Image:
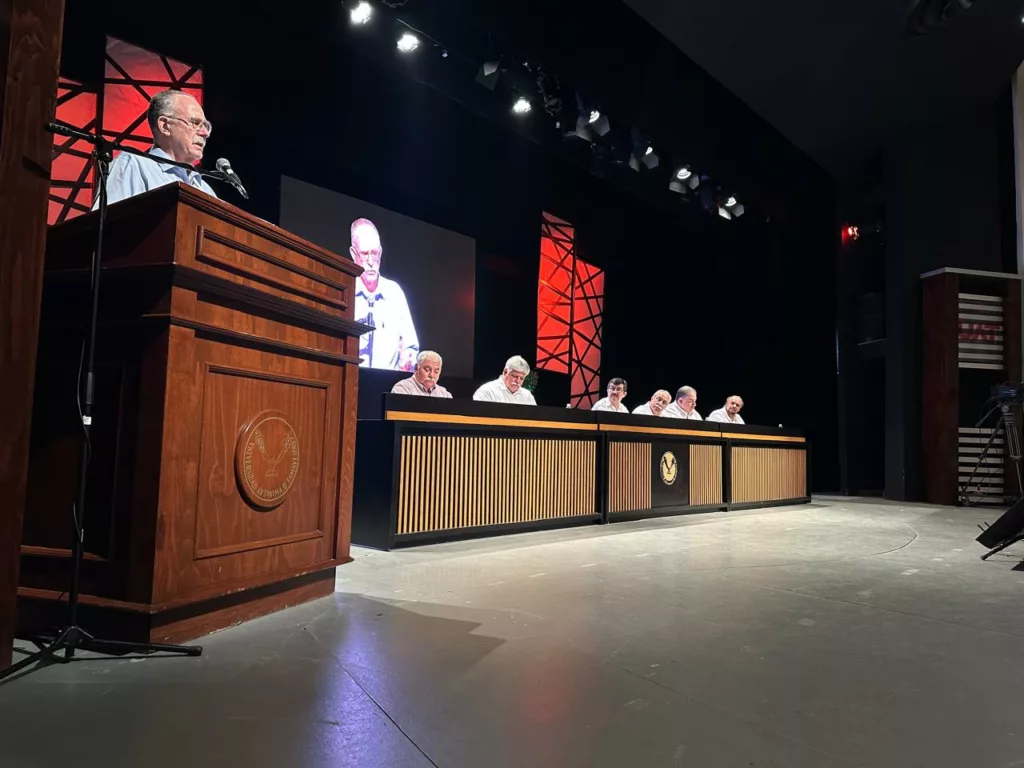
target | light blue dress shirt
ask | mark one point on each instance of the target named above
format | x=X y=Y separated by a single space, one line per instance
x=132 y=175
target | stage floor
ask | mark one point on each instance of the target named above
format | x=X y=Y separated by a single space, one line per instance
x=841 y=633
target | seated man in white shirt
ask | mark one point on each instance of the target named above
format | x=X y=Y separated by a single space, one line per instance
x=180 y=130
x=423 y=381
x=616 y=391
x=656 y=405
x=685 y=406
x=508 y=388
x=730 y=412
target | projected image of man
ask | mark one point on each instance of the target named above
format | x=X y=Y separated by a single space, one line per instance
x=381 y=302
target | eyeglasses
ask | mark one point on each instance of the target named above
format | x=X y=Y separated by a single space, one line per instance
x=193 y=122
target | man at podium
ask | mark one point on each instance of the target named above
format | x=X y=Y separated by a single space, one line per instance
x=180 y=130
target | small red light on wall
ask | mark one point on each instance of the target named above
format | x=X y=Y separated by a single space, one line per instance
x=850 y=233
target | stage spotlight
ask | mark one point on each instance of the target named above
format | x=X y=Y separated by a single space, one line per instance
x=488 y=75
x=734 y=207
x=595 y=115
x=683 y=180
x=361 y=13
x=724 y=213
x=643 y=153
x=522 y=106
x=408 y=43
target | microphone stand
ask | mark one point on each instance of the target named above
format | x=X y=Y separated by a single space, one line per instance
x=72 y=637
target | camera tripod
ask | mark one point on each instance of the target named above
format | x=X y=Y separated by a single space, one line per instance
x=1006 y=425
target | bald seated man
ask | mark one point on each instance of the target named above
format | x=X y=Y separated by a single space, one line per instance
x=656 y=405
x=685 y=406
x=730 y=412
x=423 y=381
x=180 y=130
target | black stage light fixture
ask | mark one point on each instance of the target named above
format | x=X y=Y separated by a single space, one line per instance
x=643 y=153
x=591 y=120
x=733 y=206
x=488 y=75
x=683 y=180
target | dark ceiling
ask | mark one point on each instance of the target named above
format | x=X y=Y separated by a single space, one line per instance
x=837 y=78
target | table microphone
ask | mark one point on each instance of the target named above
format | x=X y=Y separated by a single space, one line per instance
x=224 y=166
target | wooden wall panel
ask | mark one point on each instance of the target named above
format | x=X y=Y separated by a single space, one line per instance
x=30 y=38
x=705 y=475
x=448 y=482
x=768 y=474
x=629 y=476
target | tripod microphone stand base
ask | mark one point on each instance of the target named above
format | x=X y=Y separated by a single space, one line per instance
x=74 y=638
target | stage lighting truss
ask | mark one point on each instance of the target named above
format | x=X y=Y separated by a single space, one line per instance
x=527 y=85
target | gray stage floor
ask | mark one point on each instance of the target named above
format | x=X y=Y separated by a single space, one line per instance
x=842 y=633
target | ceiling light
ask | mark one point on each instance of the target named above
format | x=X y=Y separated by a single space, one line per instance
x=730 y=202
x=522 y=106
x=683 y=180
x=595 y=115
x=648 y=151
x=683 y=174
x=361 y=13
x=408 y=42
x=488 y=75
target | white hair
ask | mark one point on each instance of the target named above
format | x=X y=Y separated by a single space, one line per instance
x=518 y=364
x=426 y=353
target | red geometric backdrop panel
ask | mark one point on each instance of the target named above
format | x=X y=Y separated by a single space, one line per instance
x=570 y=300
x=554 y=293
x=71 y=176
x=133 y=75
x=588 y=303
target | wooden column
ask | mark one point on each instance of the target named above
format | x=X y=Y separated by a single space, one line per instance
x=30 y=37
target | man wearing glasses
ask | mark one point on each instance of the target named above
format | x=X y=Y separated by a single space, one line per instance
x=508 y=388
x=180 y=130
x=616 y=391
x=381 y=304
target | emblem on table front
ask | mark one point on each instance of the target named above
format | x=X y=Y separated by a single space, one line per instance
x=267 y=459
x=668 y=467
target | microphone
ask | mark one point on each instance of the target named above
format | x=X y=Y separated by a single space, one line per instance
x=224 y=166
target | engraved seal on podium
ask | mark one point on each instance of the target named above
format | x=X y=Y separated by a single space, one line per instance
x=668 y=467
x=267 y=459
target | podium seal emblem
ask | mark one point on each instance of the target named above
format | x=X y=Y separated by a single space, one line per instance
x=267 y=460
x=668 y=467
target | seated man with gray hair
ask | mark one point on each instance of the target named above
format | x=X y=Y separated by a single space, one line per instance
x=180 y=130
x=685 y=406
x=730 y=412
x=508 y=388
x=423 y=381
x=656 y=405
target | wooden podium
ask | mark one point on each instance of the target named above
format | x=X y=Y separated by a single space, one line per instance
x=224 y=422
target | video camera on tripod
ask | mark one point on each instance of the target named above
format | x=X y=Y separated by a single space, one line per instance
x=1009 y=528
x=1008 y=393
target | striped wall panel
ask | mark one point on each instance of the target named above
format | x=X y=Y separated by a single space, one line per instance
x=629 y=476
x=705 y=474
x=448 y=482
x=988 y=485
x=980 y=331
x=768 y=474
